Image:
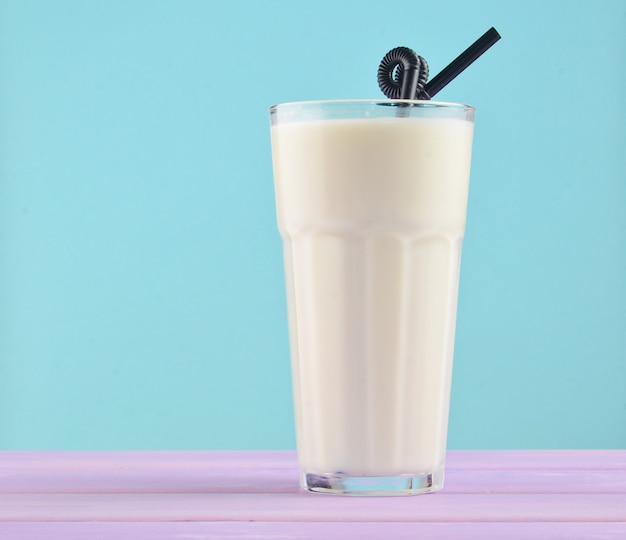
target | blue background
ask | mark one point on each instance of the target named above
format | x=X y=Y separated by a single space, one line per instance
x=141 y=285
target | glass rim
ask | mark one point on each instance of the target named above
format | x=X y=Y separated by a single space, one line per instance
x=375 y=102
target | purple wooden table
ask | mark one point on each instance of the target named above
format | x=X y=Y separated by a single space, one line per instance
x=199 y=495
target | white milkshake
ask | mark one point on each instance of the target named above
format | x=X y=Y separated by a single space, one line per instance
x=372 y=215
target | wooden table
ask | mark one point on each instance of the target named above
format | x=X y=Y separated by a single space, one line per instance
x=507 y=495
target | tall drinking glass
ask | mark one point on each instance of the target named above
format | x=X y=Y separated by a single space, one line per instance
x=371 y=203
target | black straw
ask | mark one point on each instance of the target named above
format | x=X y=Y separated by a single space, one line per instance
x=465 y=59
x=402 y=74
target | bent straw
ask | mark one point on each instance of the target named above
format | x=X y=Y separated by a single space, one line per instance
x=459 y=64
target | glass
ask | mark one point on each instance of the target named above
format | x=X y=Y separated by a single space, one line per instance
x=371 y=201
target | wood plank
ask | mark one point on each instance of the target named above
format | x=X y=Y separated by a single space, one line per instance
x=276 y=472
x=308 y=530
x=536 y=459
x=203 y=480
x=310 y=507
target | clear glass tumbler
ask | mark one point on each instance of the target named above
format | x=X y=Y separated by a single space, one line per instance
x=371 y=203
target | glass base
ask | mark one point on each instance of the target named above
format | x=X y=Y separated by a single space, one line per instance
x=342 y=484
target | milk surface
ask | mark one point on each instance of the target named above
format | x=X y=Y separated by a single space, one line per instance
x=372 y=214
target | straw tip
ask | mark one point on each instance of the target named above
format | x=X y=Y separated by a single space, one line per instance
x=494 y=33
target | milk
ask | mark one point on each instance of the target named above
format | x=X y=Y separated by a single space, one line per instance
x=372 y=214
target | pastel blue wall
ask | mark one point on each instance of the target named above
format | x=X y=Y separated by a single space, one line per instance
x=141 y=292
